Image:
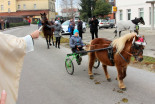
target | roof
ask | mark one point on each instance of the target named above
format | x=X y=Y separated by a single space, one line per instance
x=69 y=10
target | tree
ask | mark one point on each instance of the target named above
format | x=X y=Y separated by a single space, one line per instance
x=68 y=6
x=85 y=11
x=102 y=8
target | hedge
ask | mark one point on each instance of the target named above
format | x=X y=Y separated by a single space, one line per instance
x=18 y=24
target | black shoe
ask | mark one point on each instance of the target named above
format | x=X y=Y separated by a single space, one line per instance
x=79 y=60
x=55 y=46
x=59 y=47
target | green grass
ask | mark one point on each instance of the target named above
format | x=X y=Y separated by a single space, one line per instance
x=63 y=40
x=146 y=60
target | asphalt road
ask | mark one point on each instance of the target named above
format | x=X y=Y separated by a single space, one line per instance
x=44 y=79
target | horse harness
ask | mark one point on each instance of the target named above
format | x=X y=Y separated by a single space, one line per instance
x=111 y=54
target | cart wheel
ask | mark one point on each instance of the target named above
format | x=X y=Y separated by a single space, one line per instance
x=69 y=66
x=96 y=64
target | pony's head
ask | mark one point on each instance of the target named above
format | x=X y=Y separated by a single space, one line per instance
x=141 y=20
x=138 y=45
x=43 y=17
x=135 y=45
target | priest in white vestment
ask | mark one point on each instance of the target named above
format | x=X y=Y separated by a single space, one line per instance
x=12 y=52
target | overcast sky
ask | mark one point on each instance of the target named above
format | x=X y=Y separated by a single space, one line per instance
x=58 y=5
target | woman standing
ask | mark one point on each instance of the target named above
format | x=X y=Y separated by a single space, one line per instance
x=57 y=33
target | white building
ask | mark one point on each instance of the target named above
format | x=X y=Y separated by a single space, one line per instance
x=129 y=9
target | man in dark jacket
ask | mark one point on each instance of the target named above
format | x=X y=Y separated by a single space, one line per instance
x=94 y=27
x=79 y=27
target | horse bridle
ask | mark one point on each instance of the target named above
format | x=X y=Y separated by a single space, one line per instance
x=141 y=21
x=136 y=47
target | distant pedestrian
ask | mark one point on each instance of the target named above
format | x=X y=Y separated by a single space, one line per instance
x=71 y=26
x=39 y=23
x=94 y=27
x=61 y=20
x=29 y=21
x=2 y=24
x=79 y=27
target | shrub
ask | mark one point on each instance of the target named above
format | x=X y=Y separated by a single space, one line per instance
x=18 y=24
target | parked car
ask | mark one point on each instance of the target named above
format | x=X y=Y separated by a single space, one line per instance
x=103 y=23
x=66 y=24
x=112 y=23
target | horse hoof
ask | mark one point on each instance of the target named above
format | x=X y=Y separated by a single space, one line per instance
x=91 y=77
x=109 y=79
x=123 y=89
x=50 y=44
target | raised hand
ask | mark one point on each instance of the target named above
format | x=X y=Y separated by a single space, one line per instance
x=3 y=97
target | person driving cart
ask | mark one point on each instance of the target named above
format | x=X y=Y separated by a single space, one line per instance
x=76 y=44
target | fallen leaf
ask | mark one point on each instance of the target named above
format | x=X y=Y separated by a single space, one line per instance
x=125 y=100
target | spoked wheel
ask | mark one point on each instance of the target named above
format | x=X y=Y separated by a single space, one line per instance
x=69 y=66
x=96 y=64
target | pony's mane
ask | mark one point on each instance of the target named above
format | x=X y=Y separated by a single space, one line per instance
x=119 y=43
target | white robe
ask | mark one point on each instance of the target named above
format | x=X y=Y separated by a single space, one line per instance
x=12 y=52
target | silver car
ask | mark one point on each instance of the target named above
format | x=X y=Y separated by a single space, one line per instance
x=66 y=24
x=103 y=24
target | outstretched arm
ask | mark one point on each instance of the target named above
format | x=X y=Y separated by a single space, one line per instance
x=50 y=26
x=29 y=40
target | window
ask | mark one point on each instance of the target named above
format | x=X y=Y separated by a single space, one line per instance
x=24 y=6
x=150 y=15
x=35 y=6
x=2 y=7
x=9 y=10
x=129 y=14
x=121 y=14
x=18 y=7
x=141 y=12
x=9 y=2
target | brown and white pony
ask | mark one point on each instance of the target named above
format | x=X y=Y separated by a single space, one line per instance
x=123 y=48
x=48 y=32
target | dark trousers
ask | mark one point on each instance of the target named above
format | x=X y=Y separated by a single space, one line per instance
x=80 y=34
x=94 y=32
x=71 y=33
x=57 y=42
x=74 y=50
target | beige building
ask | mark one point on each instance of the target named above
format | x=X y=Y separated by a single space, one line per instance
x=27 y=8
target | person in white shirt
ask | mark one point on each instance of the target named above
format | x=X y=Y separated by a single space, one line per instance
x=12 y=52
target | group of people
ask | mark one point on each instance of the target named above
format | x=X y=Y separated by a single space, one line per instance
x=18 y=45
